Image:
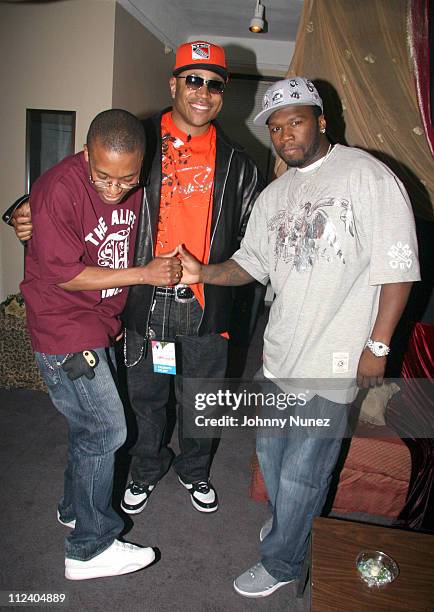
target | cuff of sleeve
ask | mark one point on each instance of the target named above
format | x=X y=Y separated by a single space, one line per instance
x=251 y=269
x=387 y=280
x=68 y=274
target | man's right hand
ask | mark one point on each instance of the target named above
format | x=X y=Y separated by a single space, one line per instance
x=191 y=267
x=164 y=271
x=22 y=222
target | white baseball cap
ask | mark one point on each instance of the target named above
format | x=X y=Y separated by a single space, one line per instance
x=289 y=92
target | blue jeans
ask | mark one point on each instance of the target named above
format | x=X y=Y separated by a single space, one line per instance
x=96 y=429
x=196 y=357
x=297 y=470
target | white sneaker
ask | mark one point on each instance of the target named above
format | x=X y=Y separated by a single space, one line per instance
x=119 y=558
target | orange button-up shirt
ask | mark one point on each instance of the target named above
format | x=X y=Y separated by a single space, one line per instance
x=188 y=165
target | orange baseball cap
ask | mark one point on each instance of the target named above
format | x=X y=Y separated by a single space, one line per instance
x=200 y=54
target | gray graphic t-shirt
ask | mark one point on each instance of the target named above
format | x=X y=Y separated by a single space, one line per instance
x=327 y=237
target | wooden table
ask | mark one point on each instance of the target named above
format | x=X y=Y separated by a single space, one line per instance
x=335 y=582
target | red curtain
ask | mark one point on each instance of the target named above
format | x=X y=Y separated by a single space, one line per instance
x=412 y=414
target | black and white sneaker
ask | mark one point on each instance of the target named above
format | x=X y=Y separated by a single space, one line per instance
x=203 y=495
x=136 y=497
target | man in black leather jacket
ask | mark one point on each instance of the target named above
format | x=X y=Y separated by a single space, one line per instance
x=196 y=322
x=177 y=315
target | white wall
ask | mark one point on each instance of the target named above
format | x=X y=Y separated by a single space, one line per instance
x=86 y=56
x=141 y=67
x=54 y=56
x=254 y=56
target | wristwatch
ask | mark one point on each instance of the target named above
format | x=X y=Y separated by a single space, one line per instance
x=379 y=349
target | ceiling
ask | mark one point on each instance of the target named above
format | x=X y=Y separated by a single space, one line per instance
x=227 y=23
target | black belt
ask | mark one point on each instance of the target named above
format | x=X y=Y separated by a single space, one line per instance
x=181 y=293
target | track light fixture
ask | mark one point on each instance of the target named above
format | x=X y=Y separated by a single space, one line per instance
x=257 y=23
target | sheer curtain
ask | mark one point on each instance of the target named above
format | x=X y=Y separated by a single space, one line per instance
x=358 y=54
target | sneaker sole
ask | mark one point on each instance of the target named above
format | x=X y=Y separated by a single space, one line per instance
x=263 y=594
x=135 y=510
x=88 y=574
x=201 y=509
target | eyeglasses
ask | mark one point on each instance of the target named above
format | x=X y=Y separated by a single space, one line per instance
x=195 y=82
x=119 y=185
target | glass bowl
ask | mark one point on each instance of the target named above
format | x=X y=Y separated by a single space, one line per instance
x=376 y=568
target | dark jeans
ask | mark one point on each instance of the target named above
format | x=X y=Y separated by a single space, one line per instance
x=197 y=357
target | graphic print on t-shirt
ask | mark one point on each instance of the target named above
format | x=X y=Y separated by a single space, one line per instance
x=309 y=233
x=113 y=253
x=186 y=197
x=179 y=173
x=113 y=247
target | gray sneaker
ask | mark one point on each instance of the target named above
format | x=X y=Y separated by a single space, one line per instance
x=257 y=582
x=265 y=529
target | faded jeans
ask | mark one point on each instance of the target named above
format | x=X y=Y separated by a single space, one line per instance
x=96 y=429
x=297 y=470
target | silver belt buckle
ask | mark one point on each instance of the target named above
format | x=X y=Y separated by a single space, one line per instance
x=183 y=289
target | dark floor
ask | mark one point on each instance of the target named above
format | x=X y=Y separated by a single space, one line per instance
x=200 y=554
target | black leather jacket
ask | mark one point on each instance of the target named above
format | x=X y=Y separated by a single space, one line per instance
x=237 y=184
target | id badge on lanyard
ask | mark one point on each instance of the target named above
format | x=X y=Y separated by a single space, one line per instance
x=163 y=357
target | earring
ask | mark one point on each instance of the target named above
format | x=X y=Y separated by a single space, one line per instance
x=322 y=130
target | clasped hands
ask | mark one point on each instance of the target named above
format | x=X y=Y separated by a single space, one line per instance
x=177 y=266
x=174 y=267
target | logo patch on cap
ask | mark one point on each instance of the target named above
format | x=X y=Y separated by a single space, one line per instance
x=277 y=96
x=200 y=51
x=288 y=92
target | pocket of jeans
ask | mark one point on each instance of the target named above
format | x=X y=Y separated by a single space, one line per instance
x=193 y=318
x=49 y=367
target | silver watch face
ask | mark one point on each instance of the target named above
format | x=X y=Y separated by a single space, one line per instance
x=379 y=349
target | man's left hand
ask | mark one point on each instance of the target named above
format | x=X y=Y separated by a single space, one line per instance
x=370 y=372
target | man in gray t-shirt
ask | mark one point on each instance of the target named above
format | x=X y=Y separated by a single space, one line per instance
x=335 y=237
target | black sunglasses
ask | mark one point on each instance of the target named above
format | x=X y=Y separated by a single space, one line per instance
x=195 y=82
